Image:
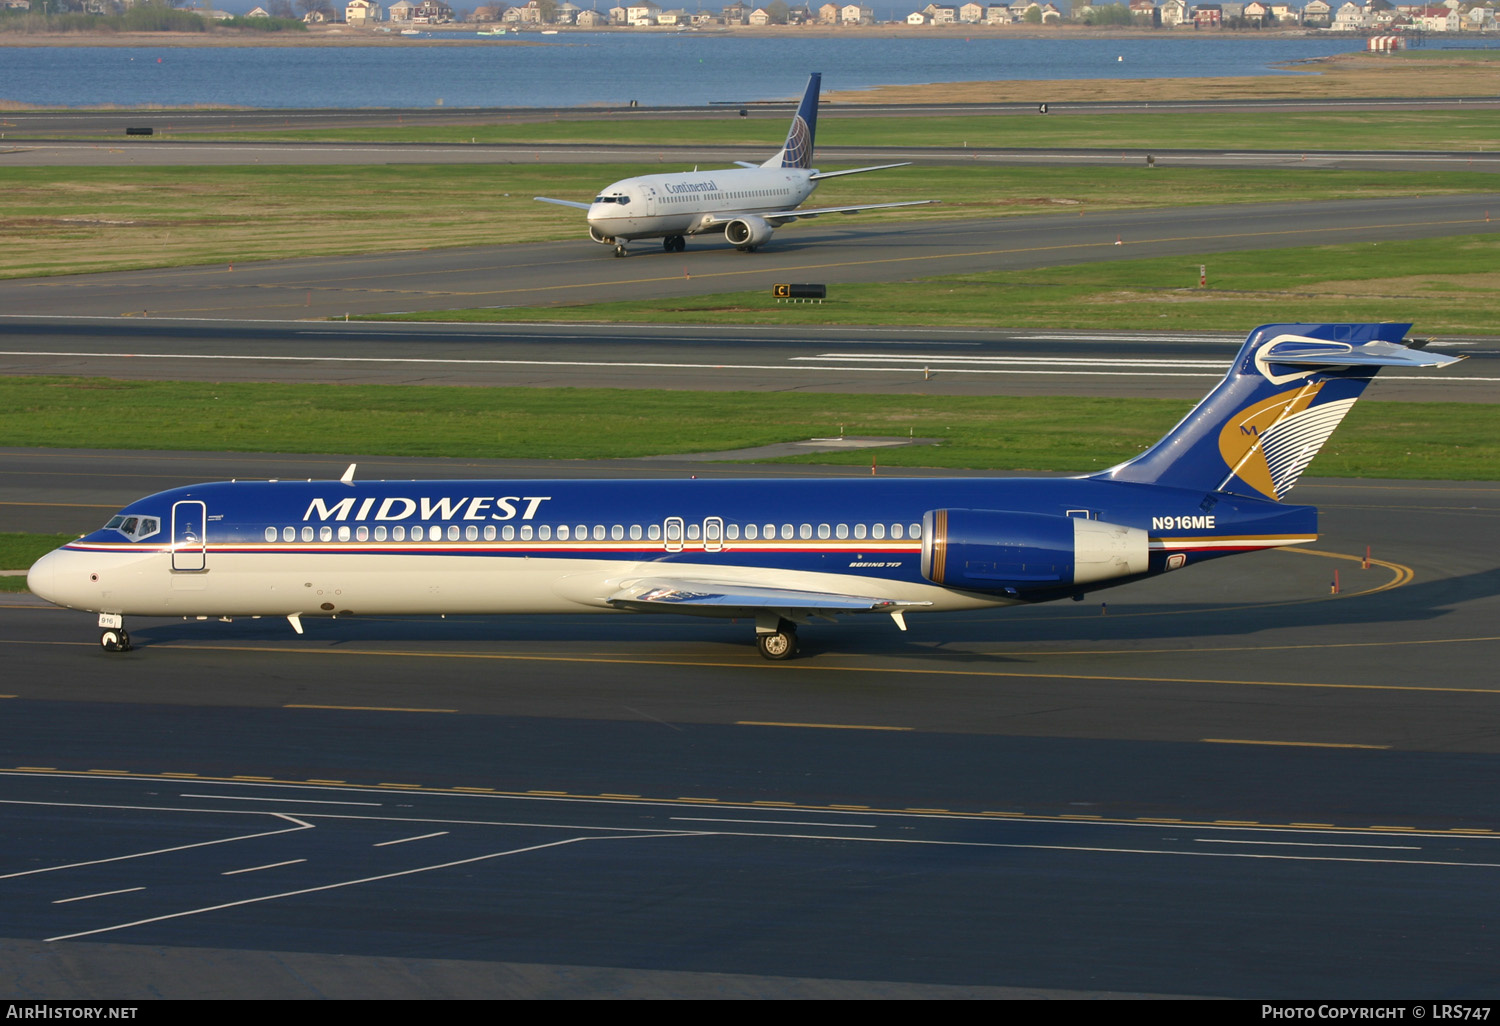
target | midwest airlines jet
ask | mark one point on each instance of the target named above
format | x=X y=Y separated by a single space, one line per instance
x=778 y=552
x=746 y=205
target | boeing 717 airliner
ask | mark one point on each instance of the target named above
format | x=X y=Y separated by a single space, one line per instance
x=779 y=552
x=745 y=205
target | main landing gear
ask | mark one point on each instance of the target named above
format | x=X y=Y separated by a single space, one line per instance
x=674 y=243
x=780 y=643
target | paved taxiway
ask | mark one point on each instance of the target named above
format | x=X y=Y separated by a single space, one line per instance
x=1228 y=782
x=178 y=153
x=821 y=251
x=1196 y=790
x=42 y=125
x=98 y=138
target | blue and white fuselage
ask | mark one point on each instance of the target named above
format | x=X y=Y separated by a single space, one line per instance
x=746 y=204
x=780 y=552
x=795 y=547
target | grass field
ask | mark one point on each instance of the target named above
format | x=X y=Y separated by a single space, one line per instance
x=1449 y=285
x=1476 y=131
x=1395 y=440
x=19 y=551
x=82 y=220
x=1413 y=72
x=77 y=220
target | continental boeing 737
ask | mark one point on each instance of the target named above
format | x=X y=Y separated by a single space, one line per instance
x=779 y=553
x=744 y=205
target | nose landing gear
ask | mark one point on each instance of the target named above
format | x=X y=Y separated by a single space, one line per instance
x=115 y=639
x=112 y=634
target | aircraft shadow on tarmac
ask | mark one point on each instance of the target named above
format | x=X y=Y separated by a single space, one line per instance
x=952 y=636
x=794 y=242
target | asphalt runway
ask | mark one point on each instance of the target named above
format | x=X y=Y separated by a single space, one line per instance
x=1230 y=782
x=86 y=138
x=985 y=150
x=43 y=124
x=926 y=361
x=829 y=252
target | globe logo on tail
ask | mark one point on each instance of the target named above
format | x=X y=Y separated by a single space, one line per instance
x=798 y=149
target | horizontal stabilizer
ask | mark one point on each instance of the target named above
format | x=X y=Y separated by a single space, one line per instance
x=1311 y=352
x=820 y=175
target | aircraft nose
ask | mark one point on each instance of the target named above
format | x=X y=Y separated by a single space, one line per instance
x=58 y=578
x=40 y=579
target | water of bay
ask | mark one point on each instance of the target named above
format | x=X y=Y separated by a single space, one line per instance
x=608 y=68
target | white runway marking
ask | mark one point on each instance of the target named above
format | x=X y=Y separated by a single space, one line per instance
x=843 y=362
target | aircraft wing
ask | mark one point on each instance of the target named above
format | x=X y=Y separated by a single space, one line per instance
x=777 y=218
x=718 y=598
x=562 y=203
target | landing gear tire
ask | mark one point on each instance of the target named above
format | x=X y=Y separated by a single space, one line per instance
x=619 y=249
x=747 y=249
x=114 y=639
x=779 y=644
x=674 y=243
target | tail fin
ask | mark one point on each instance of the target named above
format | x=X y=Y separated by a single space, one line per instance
x=1287 y=390
x=797 y=151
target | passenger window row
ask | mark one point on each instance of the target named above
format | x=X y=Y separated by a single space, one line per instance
x=675 y=532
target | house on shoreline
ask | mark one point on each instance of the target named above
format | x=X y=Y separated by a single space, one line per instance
x=1123 y=16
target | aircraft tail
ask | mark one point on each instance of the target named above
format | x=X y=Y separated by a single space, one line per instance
x=1287 y=390
x=797 y=151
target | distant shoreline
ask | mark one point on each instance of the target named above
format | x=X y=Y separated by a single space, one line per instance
x=1421 y=72
x=466 y=35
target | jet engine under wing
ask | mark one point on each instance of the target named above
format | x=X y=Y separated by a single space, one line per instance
x=717 y=598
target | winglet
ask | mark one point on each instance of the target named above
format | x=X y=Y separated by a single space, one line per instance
x=348 y=477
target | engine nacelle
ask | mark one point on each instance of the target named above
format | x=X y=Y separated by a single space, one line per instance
x=600 y=237
x=1000 y=550
x=748 y=232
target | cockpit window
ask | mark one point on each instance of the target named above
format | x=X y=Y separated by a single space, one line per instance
x=620 y=199
x=134 y=528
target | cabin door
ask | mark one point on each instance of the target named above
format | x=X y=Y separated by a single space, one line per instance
x=189 y=536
